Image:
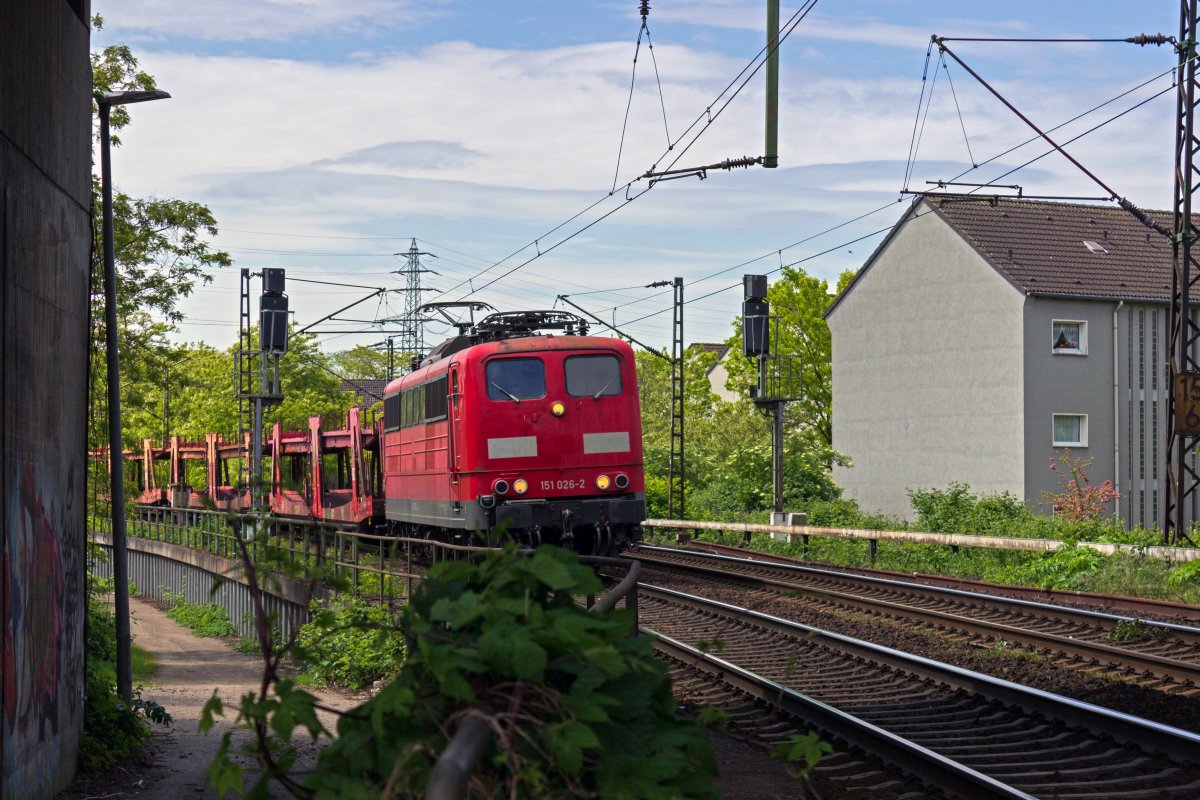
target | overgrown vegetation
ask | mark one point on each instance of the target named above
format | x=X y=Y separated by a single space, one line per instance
x=112 y=732
x=349 y=642
x=957 y=509
x=203 y=619
x=577 y=706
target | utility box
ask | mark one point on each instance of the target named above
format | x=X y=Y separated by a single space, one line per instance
x=787 y=518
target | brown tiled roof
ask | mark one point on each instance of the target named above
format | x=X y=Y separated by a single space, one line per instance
x=367 y=391
x=1039 y=246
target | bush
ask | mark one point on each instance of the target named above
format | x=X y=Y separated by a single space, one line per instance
x=350 y=643
x=580 y=708
x=956 y=509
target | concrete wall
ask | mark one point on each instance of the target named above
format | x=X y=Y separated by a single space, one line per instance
x=927 y=372
x=45 y=164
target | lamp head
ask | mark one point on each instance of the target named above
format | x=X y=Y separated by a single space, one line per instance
x=125 y=98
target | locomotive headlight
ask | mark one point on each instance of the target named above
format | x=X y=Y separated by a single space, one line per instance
x=602 y=482
x=500 y=486
x=621 y=481
x=557 y=408
x=520 y=486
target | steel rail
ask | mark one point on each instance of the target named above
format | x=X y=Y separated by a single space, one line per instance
x=1159 y=665
x=1145 y=734
x=925 y=764
x=946 y=591
x=1055 y=597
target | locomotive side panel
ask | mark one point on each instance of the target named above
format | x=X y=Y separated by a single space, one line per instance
x=417 y=451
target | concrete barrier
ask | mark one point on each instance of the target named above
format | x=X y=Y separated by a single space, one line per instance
x=1172 y=554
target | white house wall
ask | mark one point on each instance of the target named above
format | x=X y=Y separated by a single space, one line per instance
x=927 y=372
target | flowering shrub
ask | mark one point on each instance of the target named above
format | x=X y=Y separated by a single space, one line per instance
x=1078 y=500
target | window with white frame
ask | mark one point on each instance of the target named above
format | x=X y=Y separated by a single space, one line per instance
x=1070 y=430
x=1068 y=336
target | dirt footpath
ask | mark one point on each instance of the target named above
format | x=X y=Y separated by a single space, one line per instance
x=190 y=668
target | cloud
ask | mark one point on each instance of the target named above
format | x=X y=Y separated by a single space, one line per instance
x=486 y=149
x=402 y=157
x=273 y=20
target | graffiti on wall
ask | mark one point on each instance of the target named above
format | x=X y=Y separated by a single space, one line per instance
x=42 y=579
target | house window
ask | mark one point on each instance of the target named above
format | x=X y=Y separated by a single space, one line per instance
x=1069 y=336
x=1070 y=430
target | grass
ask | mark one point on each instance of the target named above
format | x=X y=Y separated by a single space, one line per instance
x=204 y=619
x=143 y=663
x=1002 y=649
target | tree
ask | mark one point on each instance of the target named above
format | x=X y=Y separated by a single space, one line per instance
x=654 y=389
x=799 y=301
x=163 y=251
x=363 y=362
x=201 y=397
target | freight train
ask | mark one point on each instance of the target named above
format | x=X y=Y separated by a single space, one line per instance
x=522 y=424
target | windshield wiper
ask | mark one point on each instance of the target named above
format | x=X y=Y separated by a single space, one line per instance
x=596 y=396
x=511 y=396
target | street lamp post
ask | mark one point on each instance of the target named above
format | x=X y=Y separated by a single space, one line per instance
x=105 y=101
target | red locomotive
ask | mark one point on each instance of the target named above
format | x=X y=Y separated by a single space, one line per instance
x=504 y=427
x=522 y=423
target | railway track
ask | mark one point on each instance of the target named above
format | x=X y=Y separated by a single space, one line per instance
x=1140 y=607
x=955 y=732
x=1160 y=655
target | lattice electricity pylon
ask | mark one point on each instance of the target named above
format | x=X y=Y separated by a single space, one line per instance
x=1183 y=414
x=412 y=338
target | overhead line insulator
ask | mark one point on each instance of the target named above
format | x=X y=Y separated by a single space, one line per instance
x=645 y=9
x=1143 y=39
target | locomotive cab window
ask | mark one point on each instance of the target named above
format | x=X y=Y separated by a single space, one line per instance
x=592 y=376
x=391 y=412
x=515 y=379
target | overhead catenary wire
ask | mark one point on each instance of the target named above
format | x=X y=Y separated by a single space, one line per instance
x=1091 y=130
x=777 y=251
x=912 y=142
x=1067 y=122
x=1122 y=201
x=707 y=116
x=962 y=123
x=628 y=105
x=923 y=118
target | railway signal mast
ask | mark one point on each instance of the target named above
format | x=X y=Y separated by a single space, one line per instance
x=257 y=369
x=779 y=377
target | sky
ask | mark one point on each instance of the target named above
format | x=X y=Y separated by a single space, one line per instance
x=328 y=135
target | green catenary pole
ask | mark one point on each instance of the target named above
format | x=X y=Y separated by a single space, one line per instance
x=771 y=156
